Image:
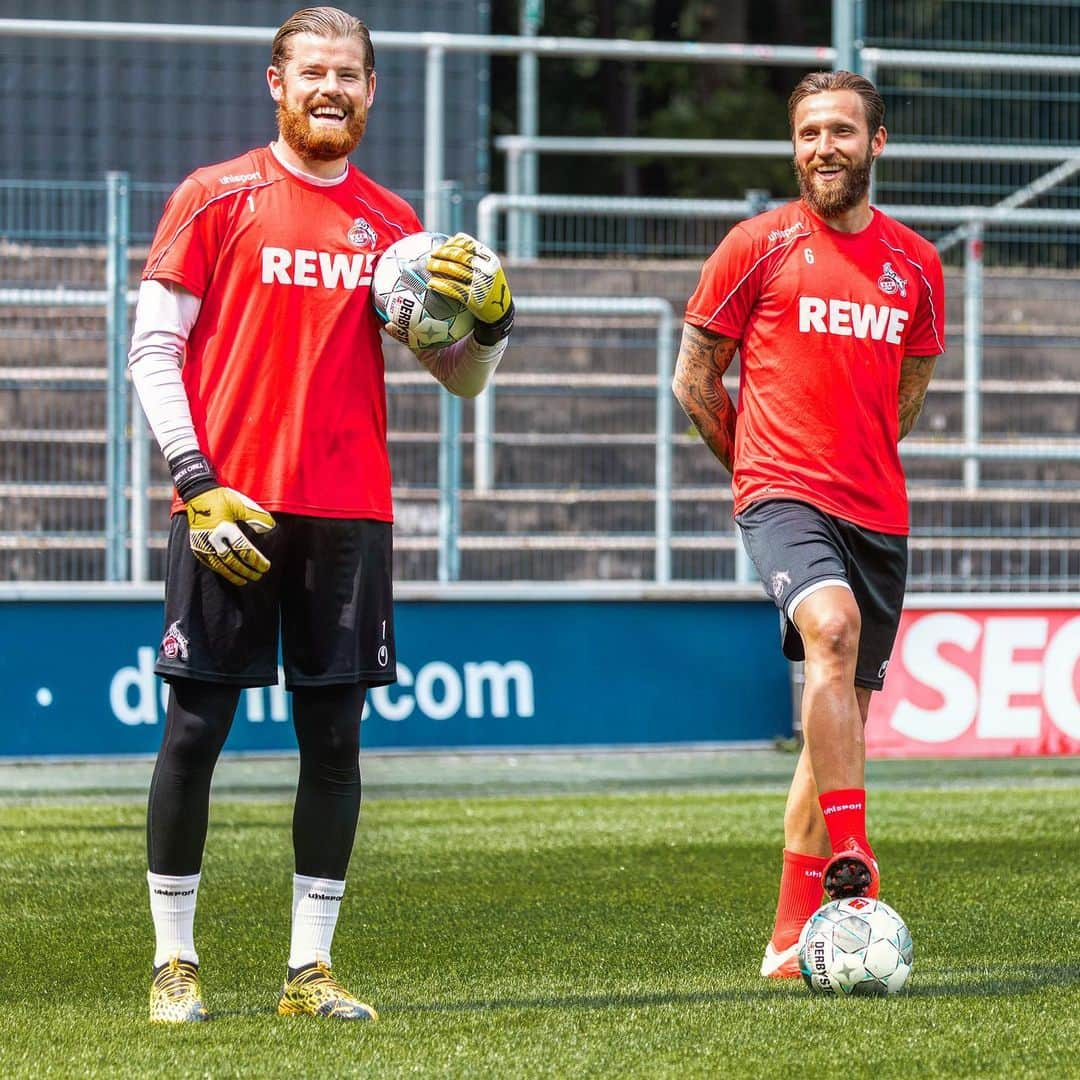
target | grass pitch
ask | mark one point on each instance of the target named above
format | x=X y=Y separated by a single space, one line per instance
x=600 y=917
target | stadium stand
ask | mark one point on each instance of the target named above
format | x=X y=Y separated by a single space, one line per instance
x=573 y=495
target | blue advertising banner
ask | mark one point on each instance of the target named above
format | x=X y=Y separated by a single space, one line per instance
x=78 y=677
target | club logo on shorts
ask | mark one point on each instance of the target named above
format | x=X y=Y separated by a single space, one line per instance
x=174 y=645
x=361 y=234
x=779 y=581
x=891 y=282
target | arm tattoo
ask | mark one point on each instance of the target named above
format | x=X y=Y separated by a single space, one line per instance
x=915 y=372
x=699 y=388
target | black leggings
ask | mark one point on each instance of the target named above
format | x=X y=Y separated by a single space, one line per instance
x=327 y=724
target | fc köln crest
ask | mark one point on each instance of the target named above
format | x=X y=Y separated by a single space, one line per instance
x=361 y=234
x=174 y=645
x=891 y=282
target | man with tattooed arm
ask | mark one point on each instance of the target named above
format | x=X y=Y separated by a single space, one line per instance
x=837 y=313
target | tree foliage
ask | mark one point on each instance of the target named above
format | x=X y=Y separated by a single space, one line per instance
x=592 y=96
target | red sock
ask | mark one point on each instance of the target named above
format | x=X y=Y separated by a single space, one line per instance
x=845 y=816
x=800 y=896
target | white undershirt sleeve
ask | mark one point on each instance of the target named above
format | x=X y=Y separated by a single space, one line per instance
x=465 y=367
x=164 y=317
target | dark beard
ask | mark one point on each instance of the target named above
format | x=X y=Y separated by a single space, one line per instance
x=839 y=198
x=296 y=130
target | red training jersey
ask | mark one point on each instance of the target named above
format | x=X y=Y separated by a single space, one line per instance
x=824 y=319
x=284 y=365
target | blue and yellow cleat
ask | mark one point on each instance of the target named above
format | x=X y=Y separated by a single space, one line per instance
x=313 y=991
x=175 y=997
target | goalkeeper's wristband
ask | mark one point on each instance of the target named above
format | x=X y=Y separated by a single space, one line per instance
x=486 y=333
x=192 y=474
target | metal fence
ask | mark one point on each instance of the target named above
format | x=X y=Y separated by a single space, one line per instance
x=567 y=472
x=580 y=466
x=206 y=77
x=1011 y=78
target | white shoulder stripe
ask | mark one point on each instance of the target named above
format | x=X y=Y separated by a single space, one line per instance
x=929 y=291
x=738 y=285
x=375 y=210
x=209 y=202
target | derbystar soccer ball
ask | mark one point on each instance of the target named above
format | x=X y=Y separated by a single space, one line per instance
x=399 y=291
x=856 y=946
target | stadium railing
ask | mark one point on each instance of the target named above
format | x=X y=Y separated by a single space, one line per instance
x=570 y=483
x=1035 y=82
x=1027 y=529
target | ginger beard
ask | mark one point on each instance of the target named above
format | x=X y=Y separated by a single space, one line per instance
x=313 y=142
x=841 y=195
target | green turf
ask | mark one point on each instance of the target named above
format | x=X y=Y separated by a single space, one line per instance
x=565 y=935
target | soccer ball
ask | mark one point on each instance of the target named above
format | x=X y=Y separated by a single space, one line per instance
x=399 y=291
x=856 y=946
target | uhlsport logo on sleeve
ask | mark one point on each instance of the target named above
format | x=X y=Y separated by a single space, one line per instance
x=240 y=178
x=788 y=233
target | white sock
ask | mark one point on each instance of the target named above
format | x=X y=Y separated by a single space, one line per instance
x=172 y=906
x=315 y=907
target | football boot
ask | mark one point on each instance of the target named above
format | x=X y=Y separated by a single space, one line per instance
x=313 y=991
x=175 y=997
x=781 y=963
x=852 y=871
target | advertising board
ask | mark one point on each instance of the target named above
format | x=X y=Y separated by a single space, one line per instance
x=472 y=673
x=981 y=677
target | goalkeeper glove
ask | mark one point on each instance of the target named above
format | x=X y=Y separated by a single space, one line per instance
x=213 y=514
x=465 y=270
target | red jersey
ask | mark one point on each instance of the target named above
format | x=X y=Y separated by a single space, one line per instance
x=824 y=319
x=284 y=365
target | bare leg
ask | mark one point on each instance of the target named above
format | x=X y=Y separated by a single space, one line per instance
x=834 y=713
x=828 y=621
x=806 y=837
x=804 y=824
x=862 y=695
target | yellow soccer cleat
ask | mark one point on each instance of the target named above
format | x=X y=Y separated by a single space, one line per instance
x=313 y=991
x=175 y=997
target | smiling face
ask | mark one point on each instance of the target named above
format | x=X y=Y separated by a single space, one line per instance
x=834 y=151
x=323 y=95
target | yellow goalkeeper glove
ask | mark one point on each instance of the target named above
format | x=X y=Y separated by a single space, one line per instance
x=465 y=270
x=214 y=515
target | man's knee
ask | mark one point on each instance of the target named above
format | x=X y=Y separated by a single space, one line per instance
x=327 y=722
x=831 y=630
x=199 y=718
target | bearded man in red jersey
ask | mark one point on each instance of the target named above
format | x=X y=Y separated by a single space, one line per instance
x=837 y=313
x=257 y=358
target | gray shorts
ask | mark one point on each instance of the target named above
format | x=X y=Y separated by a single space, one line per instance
x=797 y=549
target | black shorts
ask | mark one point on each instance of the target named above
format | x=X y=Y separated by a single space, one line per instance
x=797 y=548
x=329 y=587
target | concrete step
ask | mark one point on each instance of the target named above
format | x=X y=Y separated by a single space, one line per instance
x=931 y=569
